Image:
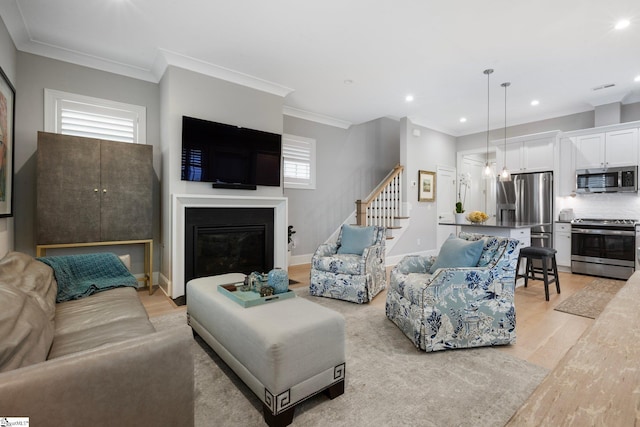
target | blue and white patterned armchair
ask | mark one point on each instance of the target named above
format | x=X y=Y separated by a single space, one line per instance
x=457 y=307
x=350 y=276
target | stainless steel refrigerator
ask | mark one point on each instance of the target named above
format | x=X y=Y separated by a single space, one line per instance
x=528 y=197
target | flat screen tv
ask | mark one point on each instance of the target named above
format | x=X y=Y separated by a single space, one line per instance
x=229 y=156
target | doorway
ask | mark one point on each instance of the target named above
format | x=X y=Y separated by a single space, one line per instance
x=446 y=191
x=481 y=196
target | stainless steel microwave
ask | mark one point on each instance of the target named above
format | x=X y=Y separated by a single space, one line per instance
x=607 y=180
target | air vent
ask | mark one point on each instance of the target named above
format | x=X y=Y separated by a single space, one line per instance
x=608 y=85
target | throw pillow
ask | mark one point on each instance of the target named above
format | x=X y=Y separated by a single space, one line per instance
x=355 y=239
x=457 y=252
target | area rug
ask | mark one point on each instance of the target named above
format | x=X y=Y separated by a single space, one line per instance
x=388 y=381
x=591 y=300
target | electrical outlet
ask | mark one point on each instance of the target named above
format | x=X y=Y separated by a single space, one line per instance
x=418 y=242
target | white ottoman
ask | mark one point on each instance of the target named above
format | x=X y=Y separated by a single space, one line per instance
x=285 y=351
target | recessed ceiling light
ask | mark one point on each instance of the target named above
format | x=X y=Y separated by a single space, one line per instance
x=637 y=79
x=463 y=119
x=535 y=102
x=622 y=24
x=408 y=98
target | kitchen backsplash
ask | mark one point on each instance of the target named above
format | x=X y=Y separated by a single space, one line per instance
x=604 y=205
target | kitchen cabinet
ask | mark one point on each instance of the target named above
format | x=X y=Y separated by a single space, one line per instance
x=607 y=149
x=566 y=167
x=92 y=190
x=534 y=154
x=562 y=243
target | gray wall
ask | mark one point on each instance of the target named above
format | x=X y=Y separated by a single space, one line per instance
x=424 y=152
x=349 y=163
x=189 y=93
x=8 y=62
x=37 y=73
x=585 y=120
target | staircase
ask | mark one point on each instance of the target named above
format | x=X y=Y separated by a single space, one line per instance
x=383 y=206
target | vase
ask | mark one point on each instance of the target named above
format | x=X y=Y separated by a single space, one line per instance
x=460 y=218
x=279 y=280
x=257 y=281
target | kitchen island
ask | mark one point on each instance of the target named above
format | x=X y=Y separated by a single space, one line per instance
x=514 y=229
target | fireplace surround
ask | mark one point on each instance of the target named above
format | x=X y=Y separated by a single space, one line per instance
x=180 y=203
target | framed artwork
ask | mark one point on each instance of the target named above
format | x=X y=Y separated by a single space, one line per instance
x=426 y=186
x=7 y=111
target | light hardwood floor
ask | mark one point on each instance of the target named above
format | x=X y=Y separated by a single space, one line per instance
x=543 y=334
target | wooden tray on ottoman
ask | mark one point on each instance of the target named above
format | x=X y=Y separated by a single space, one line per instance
x=251 y=298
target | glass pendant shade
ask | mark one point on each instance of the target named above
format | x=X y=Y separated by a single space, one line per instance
x=487 y=172
x=505 y=175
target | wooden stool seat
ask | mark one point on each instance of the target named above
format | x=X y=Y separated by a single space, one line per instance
x=548 y=270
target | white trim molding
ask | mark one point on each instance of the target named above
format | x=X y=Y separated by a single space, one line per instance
x=314 y=117
x=182 y=201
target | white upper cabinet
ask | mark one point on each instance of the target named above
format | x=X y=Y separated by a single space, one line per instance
x=566 y=170
x=607 y=149
x=538 y=155
x=533 y=153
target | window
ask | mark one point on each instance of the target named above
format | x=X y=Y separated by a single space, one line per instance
x=72 y=114
x=299 y=162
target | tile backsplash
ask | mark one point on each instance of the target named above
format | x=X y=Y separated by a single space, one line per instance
x=601 y=206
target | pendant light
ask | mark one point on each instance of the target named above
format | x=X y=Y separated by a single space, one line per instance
x=505 y=175
x=487 y=174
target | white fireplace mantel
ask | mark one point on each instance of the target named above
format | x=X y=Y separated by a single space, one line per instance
x=182 y=201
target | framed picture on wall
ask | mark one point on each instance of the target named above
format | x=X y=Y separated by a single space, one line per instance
x=426 y=186
x=7 y=110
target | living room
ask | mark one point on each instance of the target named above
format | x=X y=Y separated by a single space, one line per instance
x=351 y=159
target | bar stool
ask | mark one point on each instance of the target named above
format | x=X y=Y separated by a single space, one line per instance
x=545 y=255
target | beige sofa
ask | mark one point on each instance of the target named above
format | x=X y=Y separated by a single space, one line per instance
x=89 y=362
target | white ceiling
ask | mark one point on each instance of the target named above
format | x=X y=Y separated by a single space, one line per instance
x=555 y=51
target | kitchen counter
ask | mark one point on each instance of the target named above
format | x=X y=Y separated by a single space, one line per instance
x=514 y=229
x=492 y=223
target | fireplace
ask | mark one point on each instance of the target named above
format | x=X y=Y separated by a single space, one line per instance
x=228 y=240
x=174 y=249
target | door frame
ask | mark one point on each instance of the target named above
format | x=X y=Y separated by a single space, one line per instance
x=443 y=231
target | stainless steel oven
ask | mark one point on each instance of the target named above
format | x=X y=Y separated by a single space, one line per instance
x=602 y=247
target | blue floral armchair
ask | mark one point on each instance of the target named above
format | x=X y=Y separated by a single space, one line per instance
x=457 y=307
x=355 y=277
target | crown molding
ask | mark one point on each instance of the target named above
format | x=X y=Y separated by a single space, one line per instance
x=166 y=57
x=315 y=117
x=24 y=42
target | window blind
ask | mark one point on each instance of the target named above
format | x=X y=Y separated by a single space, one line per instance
x=72 y=114
x=298 y=155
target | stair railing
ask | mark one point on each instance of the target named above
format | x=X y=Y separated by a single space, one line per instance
x=383 y=205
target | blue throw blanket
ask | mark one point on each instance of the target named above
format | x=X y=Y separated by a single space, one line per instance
x=82 y=275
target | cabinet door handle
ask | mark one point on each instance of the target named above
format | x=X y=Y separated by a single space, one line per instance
x=95 y=190
x=104 y=190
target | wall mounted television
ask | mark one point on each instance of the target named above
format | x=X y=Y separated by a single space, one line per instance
x=229 y=156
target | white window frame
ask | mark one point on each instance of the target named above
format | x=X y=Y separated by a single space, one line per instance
x=307 y=150
x=54 y=101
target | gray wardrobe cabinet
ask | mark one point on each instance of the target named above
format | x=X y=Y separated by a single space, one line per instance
x=92 y=190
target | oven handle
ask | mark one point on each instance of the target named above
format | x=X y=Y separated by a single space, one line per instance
x=601 y=231
x=540 y=236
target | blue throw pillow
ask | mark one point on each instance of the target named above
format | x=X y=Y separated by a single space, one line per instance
x=355 y=239
x=458 y=253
